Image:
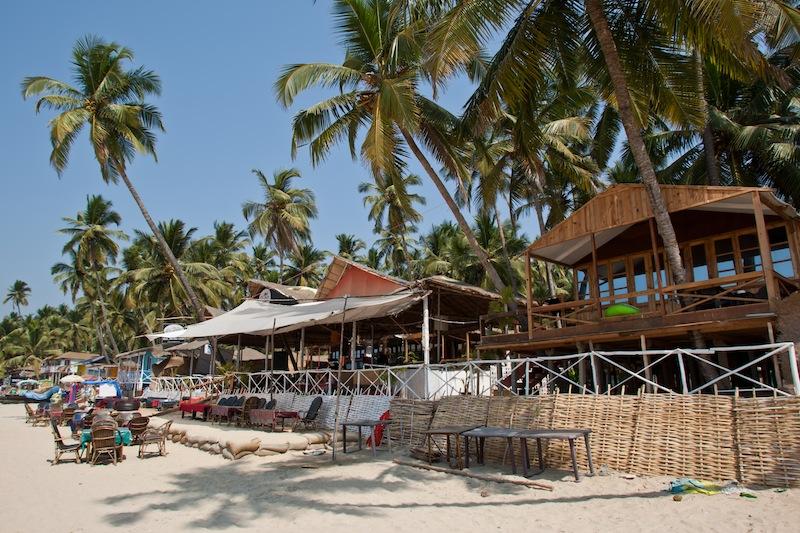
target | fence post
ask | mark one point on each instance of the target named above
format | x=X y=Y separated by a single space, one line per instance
x=683 y=373
x=527 y=378
x=594 y=373
x=793 y=368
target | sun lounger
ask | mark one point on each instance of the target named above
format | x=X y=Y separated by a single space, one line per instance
x=309 y=420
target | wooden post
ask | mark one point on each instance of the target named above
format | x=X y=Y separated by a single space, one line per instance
x=303 y=361
x=338 y=383
x=353 y=340
x=766 y=252
x=657 y=267
x=529 y=295
x=776 y=364
x=468 y=355
x=238 y=352
x=596 y=280
x=648 y=373
x=595 y=375
x=272 y=346
x=266 y=353
x=794 y=242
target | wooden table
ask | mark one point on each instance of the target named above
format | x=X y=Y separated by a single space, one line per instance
x=447 y=431
x=481 y=434
x=546 y=434
x=270 y=417
x=218 y=411
x=369 y=424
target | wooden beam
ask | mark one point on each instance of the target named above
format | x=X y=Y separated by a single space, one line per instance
x=766 y=252
x=648 y=372
x=794 y=245
x=529 y=295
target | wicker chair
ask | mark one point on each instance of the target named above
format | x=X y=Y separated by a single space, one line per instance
x=243 y=417
x=36 y=417
x=66 y=415
x=104 y=442
x=137 y=426
x=155 y=436
x=62 y=447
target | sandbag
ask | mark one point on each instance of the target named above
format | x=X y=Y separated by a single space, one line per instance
x=242 y=454
x=238 y=447
x=277 y=447
x=263 y=452
x=226 y=453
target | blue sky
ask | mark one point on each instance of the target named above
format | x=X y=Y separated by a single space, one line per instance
x=218 y=62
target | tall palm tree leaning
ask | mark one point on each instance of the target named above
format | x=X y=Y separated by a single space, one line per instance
x=18 y=295
x=283 y=216
x=110 y=100
x=644 y=45
x=379 y=83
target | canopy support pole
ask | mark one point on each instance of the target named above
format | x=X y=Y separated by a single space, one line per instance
x=338 y=383
x=238 y=352
x=426 y=341
x=272 y=346
x=303 y=361
x=353 y=347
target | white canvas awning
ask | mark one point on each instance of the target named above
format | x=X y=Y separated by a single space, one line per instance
x=255 y=317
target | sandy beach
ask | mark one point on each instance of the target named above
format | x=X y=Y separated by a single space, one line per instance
x=191 y=490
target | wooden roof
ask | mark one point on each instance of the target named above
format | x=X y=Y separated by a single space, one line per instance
x=609 y=213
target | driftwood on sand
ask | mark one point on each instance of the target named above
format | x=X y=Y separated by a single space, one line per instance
x=482 y=477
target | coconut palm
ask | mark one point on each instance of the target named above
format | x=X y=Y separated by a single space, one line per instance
x=637 y=52
x=306 y=266
x=109 y=100
x=283 y=216
x=95 y=246
x=18 y=295
x=350 y=246
x=150 y=278
x=380 y=82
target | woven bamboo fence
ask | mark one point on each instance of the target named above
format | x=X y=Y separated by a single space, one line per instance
x=768 y=439
x=754 y=440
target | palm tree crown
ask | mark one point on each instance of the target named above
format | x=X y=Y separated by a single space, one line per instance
x=283 y=216
x=18 y=295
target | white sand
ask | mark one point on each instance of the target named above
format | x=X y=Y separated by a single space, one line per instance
x=190 y=490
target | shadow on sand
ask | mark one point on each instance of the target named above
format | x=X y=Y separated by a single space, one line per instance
x=241 y=495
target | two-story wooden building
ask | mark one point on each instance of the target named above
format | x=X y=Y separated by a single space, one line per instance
x=741 y=253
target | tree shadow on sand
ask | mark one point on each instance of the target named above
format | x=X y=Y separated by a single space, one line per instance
x=243 y=495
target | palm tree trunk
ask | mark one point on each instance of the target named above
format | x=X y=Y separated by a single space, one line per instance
x=712 y=163
x=98 y=332
x=280 y=267
x=506 y=257
x=103 y=314
x=165 y=249
x=483 y=257
x=594 y=9
x=548 y=268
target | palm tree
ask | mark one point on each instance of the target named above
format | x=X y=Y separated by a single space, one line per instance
x=350 y=246
x=110 y=100
x=283 y=216
x=95 y=247
x=379 y=82
x=306 y=266
x=149 y=278
x=18 y=295
x=638 y=53
x=392 y=205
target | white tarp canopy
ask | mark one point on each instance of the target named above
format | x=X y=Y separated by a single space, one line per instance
x=255 y=317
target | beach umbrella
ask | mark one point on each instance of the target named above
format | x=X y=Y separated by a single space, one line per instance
x=72 y=378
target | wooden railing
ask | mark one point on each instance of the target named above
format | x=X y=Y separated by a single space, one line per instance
x=717 y=293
